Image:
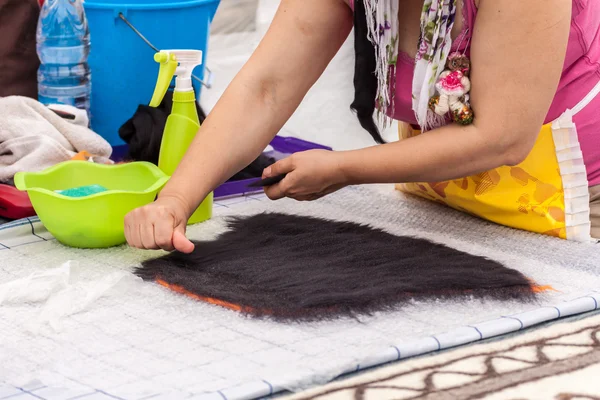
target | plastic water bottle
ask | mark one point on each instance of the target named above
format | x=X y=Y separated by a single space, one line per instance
x=63 y=45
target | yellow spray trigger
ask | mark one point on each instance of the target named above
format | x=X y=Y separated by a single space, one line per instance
x=168 y=65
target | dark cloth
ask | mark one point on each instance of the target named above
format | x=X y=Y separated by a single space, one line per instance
x=18 y=58
x=255 y=169
x=144 y=131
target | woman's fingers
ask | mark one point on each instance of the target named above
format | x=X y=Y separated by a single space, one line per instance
x=181 y=242
x=279 y=190
x=163 y=232
x=147 y=236
x=274 y=192
x=160 y=225
x=282 y=188
x=308 y=197
x=132 y=231
x=146 y=228
x=281 y=167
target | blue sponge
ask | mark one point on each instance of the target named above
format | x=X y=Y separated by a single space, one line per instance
x=82 y=191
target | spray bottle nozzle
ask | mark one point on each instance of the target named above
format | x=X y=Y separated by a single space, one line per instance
x=162 y=57
x=174 y=62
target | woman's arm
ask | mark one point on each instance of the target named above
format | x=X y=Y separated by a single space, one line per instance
x=301 y=41
x=517 y=54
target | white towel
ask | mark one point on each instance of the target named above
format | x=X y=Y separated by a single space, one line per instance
x=81 y=116
x=32 y=138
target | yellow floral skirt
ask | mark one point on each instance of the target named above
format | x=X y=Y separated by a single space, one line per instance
x=547 y=193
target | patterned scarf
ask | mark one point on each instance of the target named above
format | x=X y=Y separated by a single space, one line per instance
x=437 y=20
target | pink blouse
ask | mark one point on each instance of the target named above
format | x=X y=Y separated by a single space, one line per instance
x=581 y=73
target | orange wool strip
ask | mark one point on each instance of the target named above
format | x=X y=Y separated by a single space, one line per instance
x=235 y=307
x=541 y=289
x=210 y=300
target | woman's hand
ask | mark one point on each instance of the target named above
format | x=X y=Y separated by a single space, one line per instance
x=159 y=225
x=310 y=175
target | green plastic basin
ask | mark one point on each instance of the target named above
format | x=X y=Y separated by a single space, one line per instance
x=95 y=221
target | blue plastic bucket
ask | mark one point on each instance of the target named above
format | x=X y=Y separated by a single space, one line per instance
x=123 y=69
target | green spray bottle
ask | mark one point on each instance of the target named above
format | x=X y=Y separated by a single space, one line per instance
x=183 y=122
